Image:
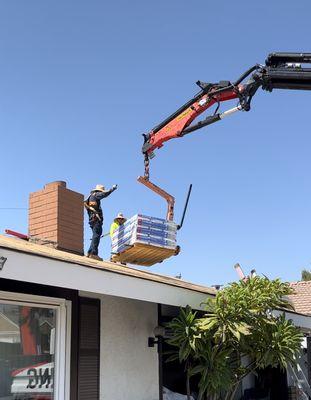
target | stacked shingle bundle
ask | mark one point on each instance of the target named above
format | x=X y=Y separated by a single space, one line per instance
x=147 y=230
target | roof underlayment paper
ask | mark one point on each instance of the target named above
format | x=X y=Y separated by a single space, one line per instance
x=143 y=229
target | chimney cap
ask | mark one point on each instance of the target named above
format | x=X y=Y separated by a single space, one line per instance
x=55 y=183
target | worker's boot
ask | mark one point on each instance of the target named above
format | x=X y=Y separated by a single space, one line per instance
x=95 y=257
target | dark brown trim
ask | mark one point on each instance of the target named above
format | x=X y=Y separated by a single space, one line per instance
x=309 y=358
x=160 y=354
x=74 y=348
x=91 y=352
x=8 y=285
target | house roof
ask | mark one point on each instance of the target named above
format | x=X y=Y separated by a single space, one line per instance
x=301 y=300
x=50 y=253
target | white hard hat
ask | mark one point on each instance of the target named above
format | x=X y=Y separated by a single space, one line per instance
x=120 y=216
x=99 y=188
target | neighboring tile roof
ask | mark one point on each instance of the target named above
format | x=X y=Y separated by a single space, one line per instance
x=44 y=251
x=301 y=300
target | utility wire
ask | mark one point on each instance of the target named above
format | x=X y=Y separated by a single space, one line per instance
x=13 y=208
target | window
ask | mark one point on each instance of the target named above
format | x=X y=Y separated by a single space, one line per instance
x=32 y=348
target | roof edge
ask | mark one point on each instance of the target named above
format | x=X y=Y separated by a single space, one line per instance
x=47 y=252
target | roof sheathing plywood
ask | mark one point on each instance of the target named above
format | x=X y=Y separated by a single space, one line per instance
x=47 y=252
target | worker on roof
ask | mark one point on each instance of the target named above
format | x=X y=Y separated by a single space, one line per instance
x=96 y=219
x=118 y=221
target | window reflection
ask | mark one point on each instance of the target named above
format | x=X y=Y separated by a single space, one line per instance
x=27 y=341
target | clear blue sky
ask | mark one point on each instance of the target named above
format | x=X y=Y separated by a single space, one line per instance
x=80 y=81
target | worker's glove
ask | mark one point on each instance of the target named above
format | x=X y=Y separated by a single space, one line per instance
x=114 y=187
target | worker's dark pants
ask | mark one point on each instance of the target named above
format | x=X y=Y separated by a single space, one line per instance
x=97 y=229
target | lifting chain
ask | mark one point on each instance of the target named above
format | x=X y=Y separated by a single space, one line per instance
x=146 y=162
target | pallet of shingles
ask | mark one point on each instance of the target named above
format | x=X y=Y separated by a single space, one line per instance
x=144 y=240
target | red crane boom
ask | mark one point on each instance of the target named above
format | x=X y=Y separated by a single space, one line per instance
x=281 y=71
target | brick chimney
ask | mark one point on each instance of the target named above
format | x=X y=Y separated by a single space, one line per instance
x=56 y=217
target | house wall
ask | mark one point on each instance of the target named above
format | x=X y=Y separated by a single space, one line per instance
x=128 y=367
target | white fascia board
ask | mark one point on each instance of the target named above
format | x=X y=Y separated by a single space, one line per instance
x=299 y=320
x=29 y=268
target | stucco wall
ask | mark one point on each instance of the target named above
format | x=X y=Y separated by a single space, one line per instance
x=129 y=368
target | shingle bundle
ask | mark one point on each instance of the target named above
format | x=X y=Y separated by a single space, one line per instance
x=147 y=230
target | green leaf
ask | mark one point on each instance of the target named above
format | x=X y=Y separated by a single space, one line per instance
x=238 y=322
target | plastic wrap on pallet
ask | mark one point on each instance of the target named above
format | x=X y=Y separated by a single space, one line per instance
x=152 y=221
x=155 y=223
x=147 y=225
x=143 y=232
x=135 y=237
x=143 y=229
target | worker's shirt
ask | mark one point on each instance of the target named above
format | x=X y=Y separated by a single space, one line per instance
x=93 y=201
x=113 y=227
